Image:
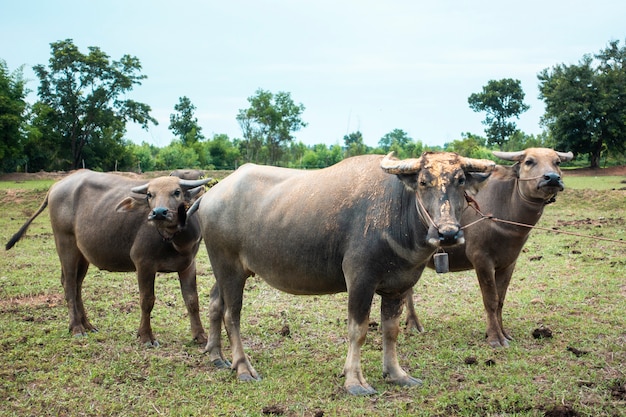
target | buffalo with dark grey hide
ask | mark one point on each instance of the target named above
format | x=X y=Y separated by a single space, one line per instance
x=365 y=225
x=515 y=193
x=124 y=225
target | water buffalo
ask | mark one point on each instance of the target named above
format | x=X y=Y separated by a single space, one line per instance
x=187 y=174
x=123 y=225
x=365 y=225
x=516 y=193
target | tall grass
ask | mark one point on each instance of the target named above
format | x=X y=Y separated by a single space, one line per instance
x=573 y=285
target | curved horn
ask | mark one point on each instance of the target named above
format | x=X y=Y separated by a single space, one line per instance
x=187 y=184
x=477 y=165
x=509 y=156
x=140 y=189
x=392 y=165
x=565 y=156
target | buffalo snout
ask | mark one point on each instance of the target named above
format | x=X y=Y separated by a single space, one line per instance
x=552 y=179
x=159 y=213
x=446 y=236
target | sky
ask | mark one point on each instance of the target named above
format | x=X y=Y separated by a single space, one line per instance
x=355 y=65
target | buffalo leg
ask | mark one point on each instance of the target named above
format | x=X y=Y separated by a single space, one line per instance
x=412 y=321
x=390 y=311
x=146 y=301
x=503 y=279
x=216 y=317
x=231 y=280
x=189 y=290
x=491 y=301
x=359 y=306
x=233 y=299
x=74 y=267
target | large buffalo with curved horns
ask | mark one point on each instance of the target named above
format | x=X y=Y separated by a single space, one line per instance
x=124 y=225
x=515 y=193
x=365 y=225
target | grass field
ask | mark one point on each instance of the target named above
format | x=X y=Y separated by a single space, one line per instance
x=575 y=286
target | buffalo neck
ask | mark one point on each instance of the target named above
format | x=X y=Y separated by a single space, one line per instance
x=185 y=238
x=503 y=200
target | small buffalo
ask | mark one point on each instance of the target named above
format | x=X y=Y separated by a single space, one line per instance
x=365 y=225
x=187 y=174
x=515 y=193
x=124 y=225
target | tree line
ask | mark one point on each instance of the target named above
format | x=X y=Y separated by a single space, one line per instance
x=80 y=117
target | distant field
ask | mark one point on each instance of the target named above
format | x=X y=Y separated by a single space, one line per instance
x=573 y=285
x=595 y=183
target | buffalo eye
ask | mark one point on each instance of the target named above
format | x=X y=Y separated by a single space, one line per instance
x=462 y=181
x=529 y=162
x=148 y=195
x=177 y=193
x=557 y=162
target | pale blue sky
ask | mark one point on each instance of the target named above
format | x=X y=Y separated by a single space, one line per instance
x=372 y=66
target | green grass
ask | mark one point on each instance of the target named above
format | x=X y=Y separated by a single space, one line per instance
x=26 y=185
x=573 y=285
x=599 y=183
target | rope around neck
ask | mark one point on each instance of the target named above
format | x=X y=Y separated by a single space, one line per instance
x=473 y=204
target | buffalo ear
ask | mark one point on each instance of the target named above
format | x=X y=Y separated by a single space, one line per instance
x=475 y=181
x=130 y=204
x=194 y=192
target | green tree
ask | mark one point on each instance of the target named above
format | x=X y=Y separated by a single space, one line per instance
x=144 y=157
x=223 y=153
x=176 y=156
x=269 y=122
x=396 y=141
x=585 y=108
x=471 y=146
x=501 y=100
x=12 y=117
x=354 y=144
x=81 y=98
x=183 y=124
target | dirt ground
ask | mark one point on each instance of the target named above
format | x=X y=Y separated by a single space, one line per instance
x=42 y=175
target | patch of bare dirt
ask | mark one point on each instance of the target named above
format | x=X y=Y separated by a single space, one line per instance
x=39 y=300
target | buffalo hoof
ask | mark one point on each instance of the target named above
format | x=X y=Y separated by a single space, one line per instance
x=499 y=343
x=412 y=326
x=409 y=381
x=360 y=390
x=247 y=378
x=83 y=332
x=151 y=344
x=222 y=364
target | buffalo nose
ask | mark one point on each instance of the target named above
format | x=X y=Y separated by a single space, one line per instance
x=552 y=179
x=450 y=236
x=158 y=213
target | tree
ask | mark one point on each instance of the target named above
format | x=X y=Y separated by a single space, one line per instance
x=184 y=124
x=222 y=152
x=501 y=99
x=81 y=98
x=12 y=117
x=585 y=108
x=176 y=156
x=471 y=146
x=397 y=141
x=269 y=121
x=354 y=144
